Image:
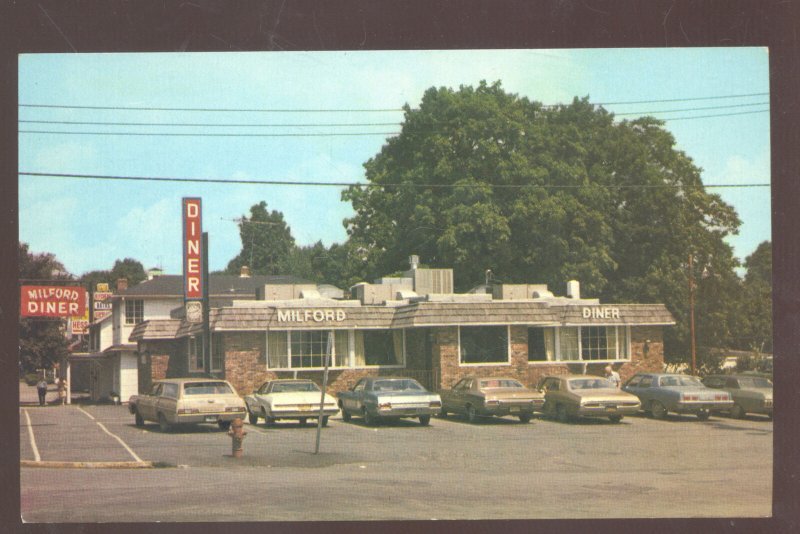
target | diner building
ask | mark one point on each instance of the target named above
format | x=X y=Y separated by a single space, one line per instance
x=413 y=325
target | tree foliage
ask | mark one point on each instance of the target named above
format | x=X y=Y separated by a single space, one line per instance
x=754 y=328
x=267 y=243
x=483 y=179
x=41 y=341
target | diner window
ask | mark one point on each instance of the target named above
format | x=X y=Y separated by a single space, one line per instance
x=592 y=343
x=483 y=344
x=307 y=348
x=195 y=353
x=541 y=344
x=134 y=311
x=378 y=347
x=217 y=352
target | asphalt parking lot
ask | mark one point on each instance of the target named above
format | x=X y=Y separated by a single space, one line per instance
x=500 y=468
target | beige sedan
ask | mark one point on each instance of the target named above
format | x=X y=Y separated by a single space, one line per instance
x=568 y=396
x=475 y=397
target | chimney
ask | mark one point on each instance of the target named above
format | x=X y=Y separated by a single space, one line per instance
x=574 y=289
x=244 y=272
x=122 y=284
x=413 y=261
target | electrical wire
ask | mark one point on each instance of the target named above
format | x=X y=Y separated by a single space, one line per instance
x=372 y=185
x=206 y=134
x=214 y=110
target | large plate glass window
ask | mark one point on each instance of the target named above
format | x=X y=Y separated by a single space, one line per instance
x=483 y=344
x=378 y=347
x=541 y=344
x=134 y=311
x=217 y=352
x=303 y=349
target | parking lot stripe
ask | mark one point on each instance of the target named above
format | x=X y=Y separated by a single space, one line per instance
x=33 y=441
x=130 y=451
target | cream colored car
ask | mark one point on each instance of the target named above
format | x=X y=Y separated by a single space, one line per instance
x=179 y=401
x=567 y=396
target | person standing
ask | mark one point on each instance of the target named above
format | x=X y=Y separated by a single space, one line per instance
x=612 y=376
x=41 y=389
x=62 y=391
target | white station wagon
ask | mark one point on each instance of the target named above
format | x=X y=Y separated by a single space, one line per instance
x=178 y=401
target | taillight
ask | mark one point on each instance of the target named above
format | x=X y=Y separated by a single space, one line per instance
x=234 y=409
x=385 y=406
x=184 y=411
x=723 y=397
x=435 y=404
x=491 y=402
x=691 y=397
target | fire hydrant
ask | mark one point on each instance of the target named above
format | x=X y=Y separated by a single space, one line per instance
x=237 y=434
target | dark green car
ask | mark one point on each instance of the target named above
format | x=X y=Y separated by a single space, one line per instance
x=751 y=393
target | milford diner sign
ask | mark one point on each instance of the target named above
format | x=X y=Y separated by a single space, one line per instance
x=52 y=301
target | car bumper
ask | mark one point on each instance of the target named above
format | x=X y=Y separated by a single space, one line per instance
x=511 y=409
x=196 y=418
x=406 y=412
x=607 y=410
x=301 y=414
x=697 y=406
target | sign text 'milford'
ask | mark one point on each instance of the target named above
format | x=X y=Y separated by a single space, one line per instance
x=311 y=315
x=600 y=313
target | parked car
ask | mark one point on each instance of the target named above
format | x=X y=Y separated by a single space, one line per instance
x=178 y=401
x=567 y=396
x=375 y=398
x=475 y=397
x=663 y=393
x=751 y=393
x=289 y=399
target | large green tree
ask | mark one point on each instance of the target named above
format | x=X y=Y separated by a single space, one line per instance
x=483 y=179
x=754 y=330
x=41 y=341
x=267 y=243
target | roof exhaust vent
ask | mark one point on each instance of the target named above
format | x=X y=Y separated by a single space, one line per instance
x=244 y=272
x=574 y=289
x=413 y=261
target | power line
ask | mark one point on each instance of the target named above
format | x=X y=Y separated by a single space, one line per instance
x=710 y=116
x=205 y=134
x=214 y=110
x=206 y=124
x=677 y=99
x=694 y=109
x=367 y=184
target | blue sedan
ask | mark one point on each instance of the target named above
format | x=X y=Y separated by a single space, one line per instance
x=663 y=393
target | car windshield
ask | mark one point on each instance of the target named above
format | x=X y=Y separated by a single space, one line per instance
x=206 y=388
x=294 y=386
x=590 y=383
x=397 y=385
x=754 y=382
x=680 y=381
x=500 y=383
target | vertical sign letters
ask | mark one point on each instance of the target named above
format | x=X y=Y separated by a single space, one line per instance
x=192 y=253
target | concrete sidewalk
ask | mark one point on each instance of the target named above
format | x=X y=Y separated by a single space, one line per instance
x=29 y=397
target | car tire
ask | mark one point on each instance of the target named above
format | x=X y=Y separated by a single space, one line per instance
x=703 y=415
x=472 y=415
x=268 y=421
x=737 y=412
x=345 y=415
x=163 y=425
x=658 y=410
x=138 y=419
x=525 y=417
x=325 y=420
x=252 y=417
x=424 y=420
x=369 y=419
x=561 y=413
x=302 y=421
x=224 y=425
x=443 y=413
x=615 y=418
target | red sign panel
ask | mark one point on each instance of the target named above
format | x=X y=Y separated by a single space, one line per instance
x=192 y=253
x=52 y=301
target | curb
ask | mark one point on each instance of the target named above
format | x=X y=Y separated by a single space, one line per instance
x=88 y=465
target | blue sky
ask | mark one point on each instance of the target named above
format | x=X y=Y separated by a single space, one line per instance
x=88 y=224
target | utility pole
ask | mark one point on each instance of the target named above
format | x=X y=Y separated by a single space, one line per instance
x=206 y=311
x=691 y=313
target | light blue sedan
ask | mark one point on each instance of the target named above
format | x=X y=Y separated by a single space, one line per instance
x=663 y=393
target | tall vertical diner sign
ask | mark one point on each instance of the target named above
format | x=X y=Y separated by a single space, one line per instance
x=193 y=281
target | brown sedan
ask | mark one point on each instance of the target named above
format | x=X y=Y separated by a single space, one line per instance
x=569 y=396
x=476 y=397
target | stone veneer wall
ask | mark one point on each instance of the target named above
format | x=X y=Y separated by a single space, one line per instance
x=156 y=366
